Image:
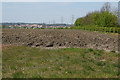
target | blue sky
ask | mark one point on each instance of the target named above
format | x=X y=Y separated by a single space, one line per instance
x=47 y=12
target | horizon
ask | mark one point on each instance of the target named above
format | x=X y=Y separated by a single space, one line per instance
x=48 y=12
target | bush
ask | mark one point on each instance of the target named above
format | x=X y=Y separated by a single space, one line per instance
x=101 y=19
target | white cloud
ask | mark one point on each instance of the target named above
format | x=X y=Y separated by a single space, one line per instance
x=59 y=0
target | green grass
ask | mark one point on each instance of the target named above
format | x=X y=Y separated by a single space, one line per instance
x=28 y=62
x=99 y=29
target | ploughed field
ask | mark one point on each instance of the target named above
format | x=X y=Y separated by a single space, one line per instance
x=58 y=38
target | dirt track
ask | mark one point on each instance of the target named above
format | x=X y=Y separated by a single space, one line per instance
x=60 y=38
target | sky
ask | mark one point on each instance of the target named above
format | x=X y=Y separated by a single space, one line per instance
x=59 y=0
x=48 y=12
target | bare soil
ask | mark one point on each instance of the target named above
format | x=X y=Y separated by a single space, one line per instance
x=57 y=38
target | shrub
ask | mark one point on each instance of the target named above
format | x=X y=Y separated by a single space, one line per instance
x=104 y=19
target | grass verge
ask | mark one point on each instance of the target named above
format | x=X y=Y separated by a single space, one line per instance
x=28 y=62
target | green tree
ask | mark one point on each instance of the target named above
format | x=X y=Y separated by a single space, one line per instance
x=102 y=19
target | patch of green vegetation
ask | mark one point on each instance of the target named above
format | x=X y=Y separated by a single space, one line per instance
x=99 y=29
x=28 y=62
x=18 y=75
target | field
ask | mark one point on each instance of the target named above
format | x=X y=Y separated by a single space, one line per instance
x=28 y=62
x=59 y=53
x=61 y=38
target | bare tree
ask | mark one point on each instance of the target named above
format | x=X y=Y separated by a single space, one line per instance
x=106 y=7
x=114 y=11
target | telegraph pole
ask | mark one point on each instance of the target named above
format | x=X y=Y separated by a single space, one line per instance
x=49 y=22
x=62 y=20
x=53 y=21
x=72 y=22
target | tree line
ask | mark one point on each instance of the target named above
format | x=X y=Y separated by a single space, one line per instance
x=107 y=16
